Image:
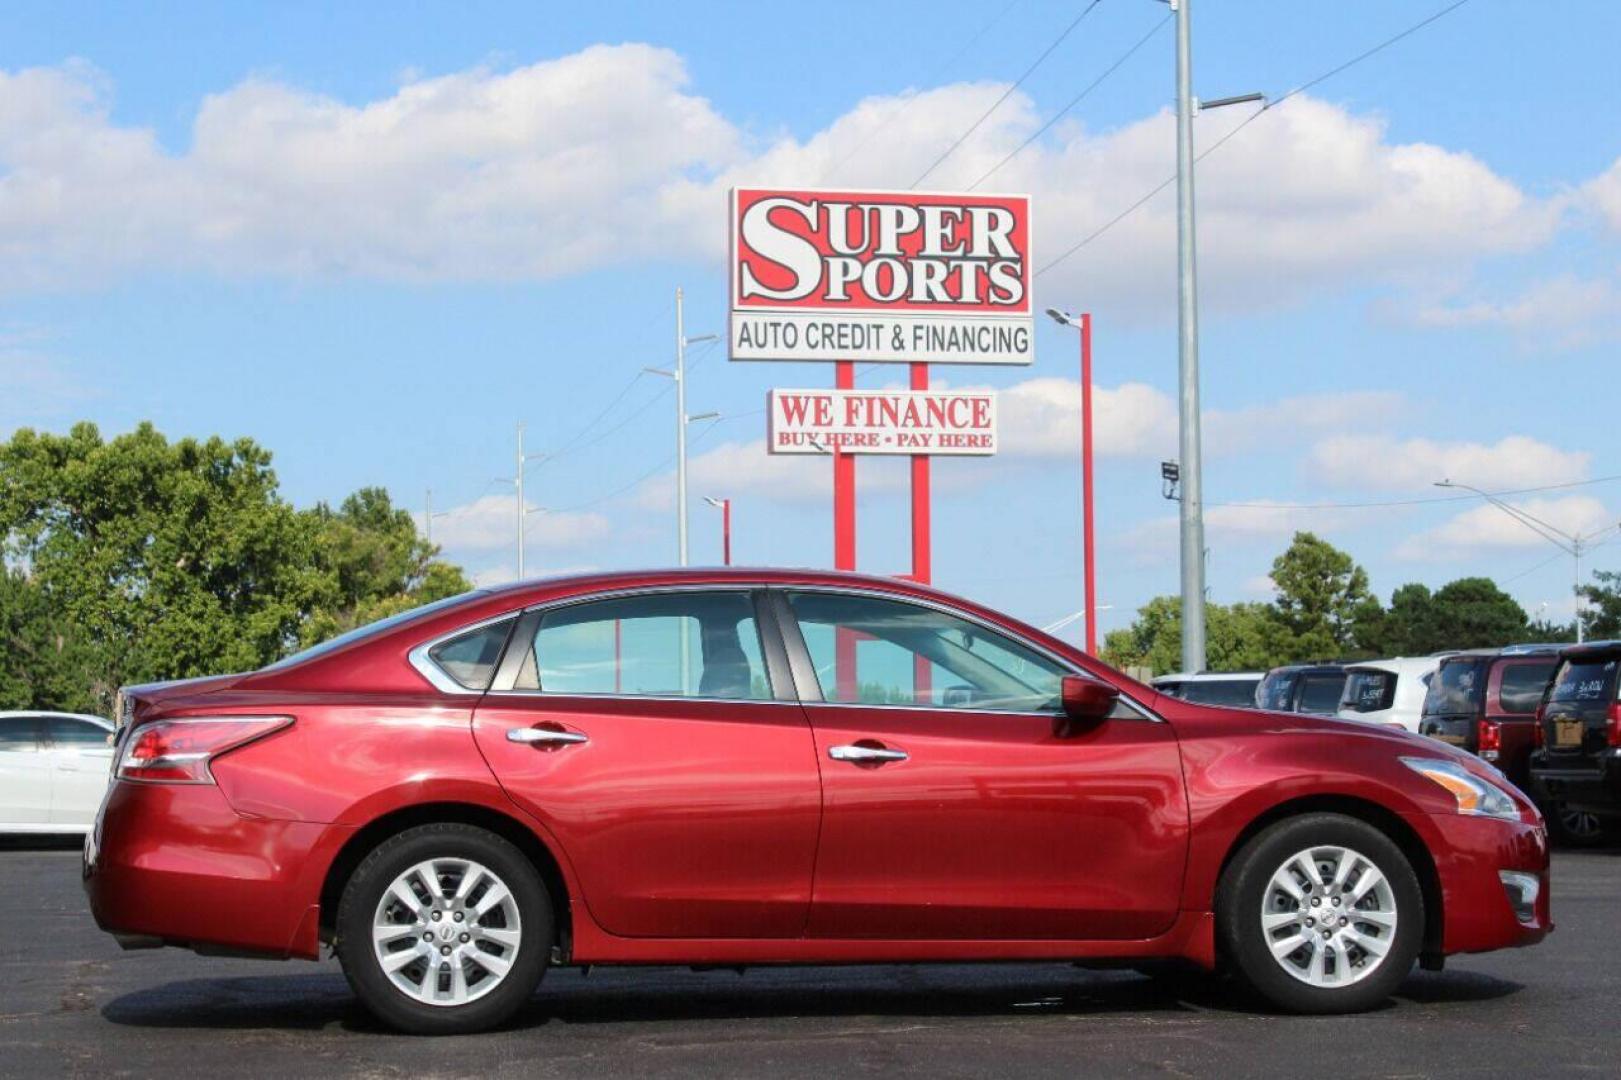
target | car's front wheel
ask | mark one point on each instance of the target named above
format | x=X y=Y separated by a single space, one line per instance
x=444 y=929
x=1321 y=913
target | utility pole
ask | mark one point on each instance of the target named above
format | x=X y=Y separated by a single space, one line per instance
x=1192 y=504
x=427 y=517
x=679 y=374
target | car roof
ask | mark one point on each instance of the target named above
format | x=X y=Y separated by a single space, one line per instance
x=1317 y=668
x=1397 y=664
x=1208 y=676
x=1591 y=649
x=49 y=714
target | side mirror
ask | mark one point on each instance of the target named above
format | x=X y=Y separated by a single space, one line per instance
x=1086 y=702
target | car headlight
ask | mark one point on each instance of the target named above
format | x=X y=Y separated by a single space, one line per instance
x=1474 y=795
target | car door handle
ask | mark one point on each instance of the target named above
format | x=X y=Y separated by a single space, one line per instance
x=535 y=736
x=865 y=755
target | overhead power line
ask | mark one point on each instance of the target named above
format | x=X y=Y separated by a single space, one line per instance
x=1248 y=120
x=906 y=105
x=1419 y=501
x=1074 y=101
x=1048 y=51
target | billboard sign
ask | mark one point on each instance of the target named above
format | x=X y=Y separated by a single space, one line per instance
x=882 y=422
x=880 y=276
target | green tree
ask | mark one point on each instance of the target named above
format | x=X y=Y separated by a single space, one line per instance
x=151 y=559
x=1321 y=594
x=42 y=660
x=1602 y=617
x=1238 y=637
x=379 y=562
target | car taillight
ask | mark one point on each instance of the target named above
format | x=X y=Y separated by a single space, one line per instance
x=1488 y=739
x=179 y=751
x=1612 y=724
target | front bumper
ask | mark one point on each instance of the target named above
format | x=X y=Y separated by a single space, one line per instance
x=1595 y=788
x=173 y=864
x=1476 y=906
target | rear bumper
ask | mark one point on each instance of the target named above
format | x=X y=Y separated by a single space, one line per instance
x=174 y=864
x=1595 y=788
x=1479 y=915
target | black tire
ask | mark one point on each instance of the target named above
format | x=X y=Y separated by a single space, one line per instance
x=1242 y=894
x=365 y=889
x=1575 y=829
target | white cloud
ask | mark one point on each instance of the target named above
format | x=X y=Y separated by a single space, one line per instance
x=1487 y=526
x=1042 y=418
x=1385 y=463
x=490 y=523
x=1235 y=528
x=607 y=156
x=1563 y=312
x=740 y=469
x=1602 y=194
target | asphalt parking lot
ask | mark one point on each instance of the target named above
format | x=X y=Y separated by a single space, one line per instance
x=72 y=1004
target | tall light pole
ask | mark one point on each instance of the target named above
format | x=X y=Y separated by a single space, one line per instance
x=1572 y=544
x=725 y=508
x=1083 y=323
x=516 y=480
x=1192 y=463
x=679 y=374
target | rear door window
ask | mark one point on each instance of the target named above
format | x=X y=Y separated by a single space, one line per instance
x=1523 y=682
x=1369 y=691
x=21 y=734
x=1321 y=693
x=1228 y=692
x=65 y=731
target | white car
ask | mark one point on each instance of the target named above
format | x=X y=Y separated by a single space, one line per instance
x=53 y=771
x=1388 y=691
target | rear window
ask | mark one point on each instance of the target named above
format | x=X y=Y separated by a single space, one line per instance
x=1221 y=692
x=1523 y=683
x=1580 y=682
x=1369 y=691
x=1321 y=693
x=1457 y=688
x=1276 y=691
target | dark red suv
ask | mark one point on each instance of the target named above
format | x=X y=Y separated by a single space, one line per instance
x=1485 y=701
x=767 y=767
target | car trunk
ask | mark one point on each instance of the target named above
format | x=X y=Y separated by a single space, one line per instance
x=1452 y=705
x=1576 y=718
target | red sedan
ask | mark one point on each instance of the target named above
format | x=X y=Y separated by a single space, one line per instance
x=773 y=767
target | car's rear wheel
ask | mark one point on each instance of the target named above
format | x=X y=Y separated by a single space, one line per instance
x=1321 y=913
x=444 y=929
x=1576 y=828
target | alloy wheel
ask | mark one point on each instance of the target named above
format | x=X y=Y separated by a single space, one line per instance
x=1328 y=916
x=446 y=931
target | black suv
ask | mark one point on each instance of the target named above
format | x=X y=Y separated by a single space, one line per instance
x=1577 y=763
x=1305 y=688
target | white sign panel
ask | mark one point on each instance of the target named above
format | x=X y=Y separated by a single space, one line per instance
x=882 y=422
x=881 y=276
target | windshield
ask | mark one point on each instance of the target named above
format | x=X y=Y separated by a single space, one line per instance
x=1584 y=682
x=370 y=629
x=1369 y=691
x=1456 y=688
x=1239 y=692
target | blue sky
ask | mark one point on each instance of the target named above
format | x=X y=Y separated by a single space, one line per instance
x=377 y=239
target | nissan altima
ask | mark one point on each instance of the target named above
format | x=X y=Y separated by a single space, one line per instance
x=781 y=767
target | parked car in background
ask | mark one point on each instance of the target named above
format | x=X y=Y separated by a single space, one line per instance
x=1212 y=687
x=1304 y=688
x=1387 y=691
x=54 y=769
x=732 y=767
x=1576 y=765
x=1485 y=701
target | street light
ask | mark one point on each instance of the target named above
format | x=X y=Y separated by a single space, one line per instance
x=1083 y=323
x=725 y=508
x=679 y=374
x=1572 y=544
x=1189 y=453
